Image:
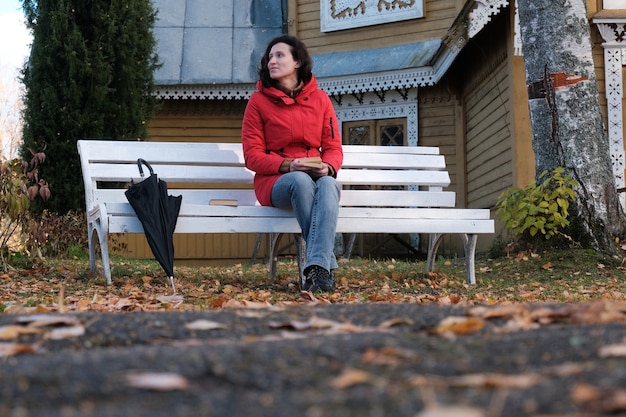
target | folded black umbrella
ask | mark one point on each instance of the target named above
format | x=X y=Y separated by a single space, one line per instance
x=158 y=213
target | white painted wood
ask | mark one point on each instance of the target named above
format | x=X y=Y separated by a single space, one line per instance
x=201 y=172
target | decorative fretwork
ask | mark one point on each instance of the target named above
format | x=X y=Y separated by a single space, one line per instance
x=336 y=86
x=613 y=32
x=205 y=92
x=614 y=93
x=482 y=14
x=517 y=35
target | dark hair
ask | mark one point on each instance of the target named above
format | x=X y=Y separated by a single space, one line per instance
x=299 y=53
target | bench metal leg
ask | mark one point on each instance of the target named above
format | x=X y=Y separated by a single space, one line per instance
x=350 y=246
x=97 y=235
x=301 y=248
x=434 y=239
x=257 y=247
x=469 y=246
x=273 y=251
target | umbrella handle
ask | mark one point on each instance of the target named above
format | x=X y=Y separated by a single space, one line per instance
x=141 y=161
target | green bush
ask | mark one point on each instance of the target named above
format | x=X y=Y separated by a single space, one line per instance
x=89 y=75
x=540 y=209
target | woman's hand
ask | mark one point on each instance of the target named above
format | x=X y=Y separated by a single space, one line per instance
x=296 y=165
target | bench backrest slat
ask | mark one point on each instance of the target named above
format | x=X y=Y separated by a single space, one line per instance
x=186 y=166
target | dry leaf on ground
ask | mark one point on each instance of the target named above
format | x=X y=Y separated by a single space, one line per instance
x=350 y=377
x=13 y=331
x=157 y=381
x=11 y=349
x=458 y=325
x=203 y=324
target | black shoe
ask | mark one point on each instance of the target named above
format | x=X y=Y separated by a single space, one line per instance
x=319 y=279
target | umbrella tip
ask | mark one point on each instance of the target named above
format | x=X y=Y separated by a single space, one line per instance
x=173 y=285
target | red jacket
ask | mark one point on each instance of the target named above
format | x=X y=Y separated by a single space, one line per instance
x=276 y=126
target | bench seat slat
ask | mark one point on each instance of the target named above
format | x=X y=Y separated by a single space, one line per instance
x=344 y=212
x=128 y=224
x=397 y=198
x=349 y=198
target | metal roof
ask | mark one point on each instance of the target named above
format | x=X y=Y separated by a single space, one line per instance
x=390 y=58
x=222 y=41
x=213 y=41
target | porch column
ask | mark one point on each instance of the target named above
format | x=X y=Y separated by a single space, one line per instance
x=612 y=26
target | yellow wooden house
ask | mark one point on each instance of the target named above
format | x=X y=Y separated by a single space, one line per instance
x=445 y=73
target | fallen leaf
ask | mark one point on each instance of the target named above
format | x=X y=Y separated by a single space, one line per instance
x=170 y=298
x=501 y=311
x=350 y=377
x=203 y=324
x=399 y=321
x=13 y=331
x=390 y=356
x=11 y=349
x=313 y=323
x=59 y=333
x=459 y=325
x=521 y=381
x=157 y=381
x=600 y=401
x=256 y=304
x=452 y=411
x=615 y=350
x=583 y=393
x=48 y=320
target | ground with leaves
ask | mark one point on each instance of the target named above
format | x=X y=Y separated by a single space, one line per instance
x=540 y=334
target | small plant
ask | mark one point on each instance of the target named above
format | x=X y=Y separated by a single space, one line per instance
x=540 y=208
x=19 y=185
x=62 y=235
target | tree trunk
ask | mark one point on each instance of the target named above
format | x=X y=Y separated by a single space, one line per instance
x=568 y=128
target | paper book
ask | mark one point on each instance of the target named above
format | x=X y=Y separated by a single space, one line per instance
x=312 y=161
x=223 y=202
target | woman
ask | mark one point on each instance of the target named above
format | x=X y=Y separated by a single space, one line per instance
x=289 y=118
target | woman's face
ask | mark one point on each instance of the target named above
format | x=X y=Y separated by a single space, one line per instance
x=281 y=65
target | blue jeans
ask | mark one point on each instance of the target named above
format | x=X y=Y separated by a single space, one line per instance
x=316 y=206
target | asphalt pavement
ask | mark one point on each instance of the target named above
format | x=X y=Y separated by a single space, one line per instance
x=318 y=360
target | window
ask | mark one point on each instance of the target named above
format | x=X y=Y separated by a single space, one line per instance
x=386 y=132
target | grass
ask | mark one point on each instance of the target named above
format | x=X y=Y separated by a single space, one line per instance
x=572 y=275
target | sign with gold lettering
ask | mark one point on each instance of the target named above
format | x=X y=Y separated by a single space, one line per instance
x=348 y=14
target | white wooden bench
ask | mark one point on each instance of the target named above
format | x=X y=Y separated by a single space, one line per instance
x=219 y=168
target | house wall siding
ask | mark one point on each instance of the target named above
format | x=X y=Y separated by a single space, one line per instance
x=485 y=151
x=488 y=136
x=438 y=17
